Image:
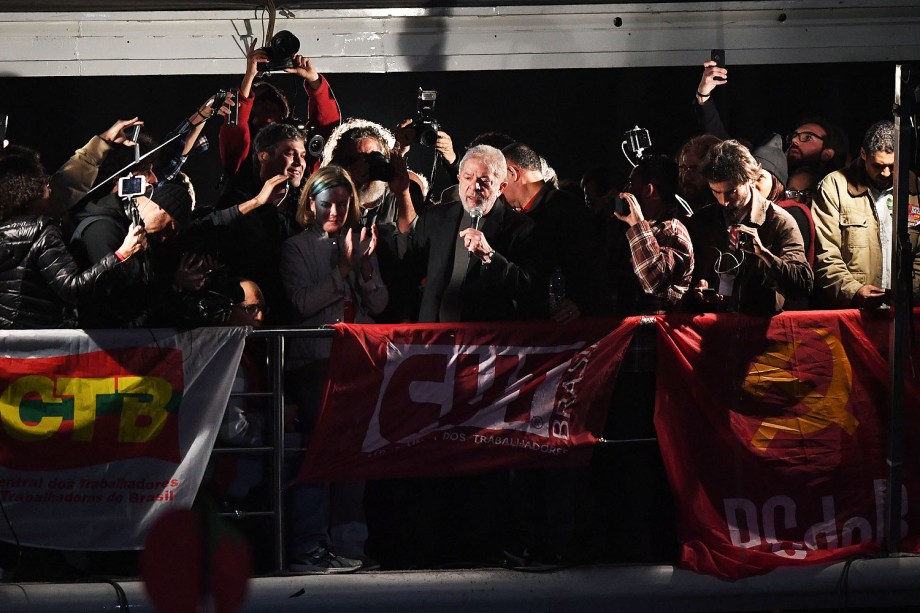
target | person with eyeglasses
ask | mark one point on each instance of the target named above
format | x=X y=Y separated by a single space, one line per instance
x=814 y=141
x=852 y=210
x=750 y=254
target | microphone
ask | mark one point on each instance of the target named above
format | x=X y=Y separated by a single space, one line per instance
x=476 y=214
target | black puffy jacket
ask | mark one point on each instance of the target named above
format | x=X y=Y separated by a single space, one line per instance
x=39 y=280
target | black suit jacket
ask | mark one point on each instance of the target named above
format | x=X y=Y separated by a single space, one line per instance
x=490 y=292
x=565 y=236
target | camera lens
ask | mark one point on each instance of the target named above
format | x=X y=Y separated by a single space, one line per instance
x=315 y=145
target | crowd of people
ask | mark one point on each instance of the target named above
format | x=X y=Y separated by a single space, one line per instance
x=301 y=237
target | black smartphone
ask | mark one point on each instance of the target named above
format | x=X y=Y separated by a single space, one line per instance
x=621 y=206
x=718 y=56
x=709 y=291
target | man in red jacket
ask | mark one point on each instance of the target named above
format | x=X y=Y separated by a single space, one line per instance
x=261 y=104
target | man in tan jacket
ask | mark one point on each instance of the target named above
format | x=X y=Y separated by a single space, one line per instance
x=853 y=226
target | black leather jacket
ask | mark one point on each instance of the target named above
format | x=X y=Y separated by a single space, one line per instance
x=39 y=280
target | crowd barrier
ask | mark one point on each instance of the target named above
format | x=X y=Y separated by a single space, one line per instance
x=773 y=432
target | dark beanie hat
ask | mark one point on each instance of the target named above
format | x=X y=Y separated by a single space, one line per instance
x=771 y=156
x=175 y=200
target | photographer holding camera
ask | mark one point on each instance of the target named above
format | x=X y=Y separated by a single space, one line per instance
x=262 y=103
x=368 y=152
x=653 y=263
x=750 y=253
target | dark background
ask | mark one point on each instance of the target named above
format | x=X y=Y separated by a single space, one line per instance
x=574 y=118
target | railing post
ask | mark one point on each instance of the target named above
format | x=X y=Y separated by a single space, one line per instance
x=906 y=90
x=277 y=376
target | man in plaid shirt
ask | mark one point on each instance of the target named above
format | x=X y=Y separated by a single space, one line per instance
x=660 y=251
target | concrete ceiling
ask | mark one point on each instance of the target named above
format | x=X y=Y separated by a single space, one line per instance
x=448 y=36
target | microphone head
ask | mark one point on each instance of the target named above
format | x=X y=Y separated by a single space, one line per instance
x=476 y=212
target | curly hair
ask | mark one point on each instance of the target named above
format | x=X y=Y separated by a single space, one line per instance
x=354 y=130
x=22 y=181
x=879 y=137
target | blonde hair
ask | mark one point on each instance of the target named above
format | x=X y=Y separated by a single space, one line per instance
x=325 y=178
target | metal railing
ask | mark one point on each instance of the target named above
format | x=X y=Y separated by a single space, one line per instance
x=279 y=451
x=275 y=338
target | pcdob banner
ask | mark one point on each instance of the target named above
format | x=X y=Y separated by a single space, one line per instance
x=103 y=430
x=774 y=435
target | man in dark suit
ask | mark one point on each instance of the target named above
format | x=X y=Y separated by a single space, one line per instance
x=475 y=254
x=567 y=282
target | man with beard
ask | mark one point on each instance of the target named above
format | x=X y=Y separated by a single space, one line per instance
x=249 y=233
x=749 y=252
x=852 y=212
x=691 y=184
x=476 y=254
x=815 y=141
x=366 y=151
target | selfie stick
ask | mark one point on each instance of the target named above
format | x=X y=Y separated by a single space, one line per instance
x=136 y=160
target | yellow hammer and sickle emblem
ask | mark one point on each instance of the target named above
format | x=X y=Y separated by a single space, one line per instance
x=772 y=368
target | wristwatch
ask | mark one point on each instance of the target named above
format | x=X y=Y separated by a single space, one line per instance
x=488 y=259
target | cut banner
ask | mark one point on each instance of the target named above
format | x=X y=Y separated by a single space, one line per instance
x=439 y=400
x=774 y=436
x=103 y=430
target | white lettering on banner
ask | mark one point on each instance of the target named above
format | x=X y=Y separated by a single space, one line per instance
x=433 y=381
x=745 y=526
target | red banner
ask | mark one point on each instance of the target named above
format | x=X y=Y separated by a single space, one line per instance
x=438 y=400
x=90 y=408
x=774 y=436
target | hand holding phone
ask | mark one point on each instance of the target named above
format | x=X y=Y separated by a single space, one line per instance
x=718 y=56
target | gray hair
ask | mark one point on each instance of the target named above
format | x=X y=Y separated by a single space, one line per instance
x=491 y=157
x=354 y=126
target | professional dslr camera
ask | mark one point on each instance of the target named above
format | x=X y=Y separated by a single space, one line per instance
x=314 y=142
x=426 y=127
x=280 y=50
x=378 y=167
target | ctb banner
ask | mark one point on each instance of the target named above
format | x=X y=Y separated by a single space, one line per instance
x=102 y=431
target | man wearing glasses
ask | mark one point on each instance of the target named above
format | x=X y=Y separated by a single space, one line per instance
x=814 y=142
x=853 y=226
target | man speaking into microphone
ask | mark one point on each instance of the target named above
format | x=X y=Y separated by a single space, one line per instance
x=475 y=254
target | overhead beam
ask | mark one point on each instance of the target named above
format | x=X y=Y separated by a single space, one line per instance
x=470 y=38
